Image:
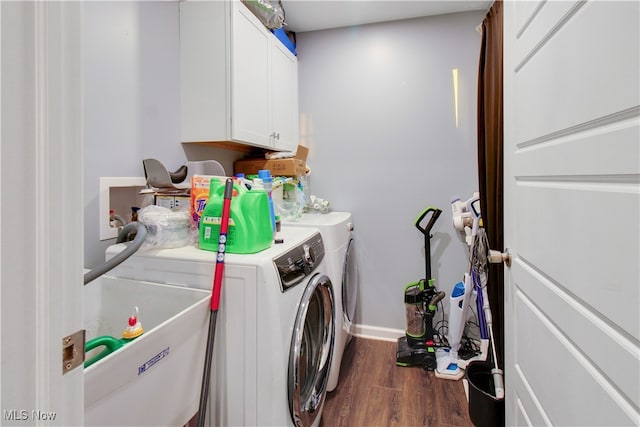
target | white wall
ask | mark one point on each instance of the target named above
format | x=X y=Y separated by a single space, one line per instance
x=377 y=112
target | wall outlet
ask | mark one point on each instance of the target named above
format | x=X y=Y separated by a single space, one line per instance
x=119 y=194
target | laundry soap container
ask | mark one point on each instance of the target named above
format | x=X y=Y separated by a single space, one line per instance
x=250 y=228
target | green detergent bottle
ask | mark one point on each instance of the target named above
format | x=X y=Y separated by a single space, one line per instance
x=250 y=228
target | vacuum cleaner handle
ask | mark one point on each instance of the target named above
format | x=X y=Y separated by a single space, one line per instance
x=432 y=220
x=437 y=298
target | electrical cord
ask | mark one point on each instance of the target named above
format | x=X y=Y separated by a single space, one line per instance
x=478 y=256
x=441 y=328
x=468 y=348
x=475 y=316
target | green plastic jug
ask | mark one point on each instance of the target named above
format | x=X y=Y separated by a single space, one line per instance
x=250 y=228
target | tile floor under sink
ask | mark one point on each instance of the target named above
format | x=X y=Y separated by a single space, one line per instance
x=155 y=379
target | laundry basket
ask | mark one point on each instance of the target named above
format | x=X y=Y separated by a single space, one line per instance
x=485 y=409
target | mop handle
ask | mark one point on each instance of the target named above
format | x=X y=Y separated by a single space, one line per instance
x=497 y=373
x=222 y=245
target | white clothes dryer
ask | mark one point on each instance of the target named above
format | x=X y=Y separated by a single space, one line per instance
x=275 y=327
x=337 y=232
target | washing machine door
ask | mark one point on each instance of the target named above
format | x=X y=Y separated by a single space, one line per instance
x=311 y=351
x=349 y=285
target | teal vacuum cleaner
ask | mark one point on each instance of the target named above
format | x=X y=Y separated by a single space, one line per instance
x=416 y=347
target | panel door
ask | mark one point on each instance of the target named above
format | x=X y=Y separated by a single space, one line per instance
x=572 y=213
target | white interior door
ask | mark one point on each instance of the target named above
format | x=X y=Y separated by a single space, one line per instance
x=572 y=212
x=41 y=213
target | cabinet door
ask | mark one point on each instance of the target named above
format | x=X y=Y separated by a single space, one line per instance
x=204 y=114
x=250 y=120
x=284 y=97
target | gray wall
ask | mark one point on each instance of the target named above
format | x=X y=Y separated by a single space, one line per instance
x=131 y=98
x=376 y=107
x=377 y=112
x=131 y=82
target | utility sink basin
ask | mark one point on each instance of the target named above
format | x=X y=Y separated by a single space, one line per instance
x=155 y=379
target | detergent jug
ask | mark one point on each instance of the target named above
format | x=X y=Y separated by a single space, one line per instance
x=250 y=228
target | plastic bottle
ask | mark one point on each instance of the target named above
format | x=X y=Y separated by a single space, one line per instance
x=267 y=184
x=240 y=179
x=250 y=229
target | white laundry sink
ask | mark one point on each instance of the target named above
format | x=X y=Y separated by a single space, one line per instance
x=155 y=379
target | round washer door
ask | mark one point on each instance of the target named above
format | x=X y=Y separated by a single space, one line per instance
x=311 y=351
x=349 y=285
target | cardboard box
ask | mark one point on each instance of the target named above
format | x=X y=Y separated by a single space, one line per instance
x=295 y=166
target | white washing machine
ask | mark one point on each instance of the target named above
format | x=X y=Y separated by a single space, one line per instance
x=275 y=327
x=337 y=232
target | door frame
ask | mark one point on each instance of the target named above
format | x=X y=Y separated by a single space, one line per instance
x=42 y=155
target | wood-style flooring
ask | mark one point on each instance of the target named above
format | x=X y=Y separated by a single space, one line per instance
x=372 y=391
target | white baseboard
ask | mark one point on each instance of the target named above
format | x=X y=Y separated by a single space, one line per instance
x=376 y=332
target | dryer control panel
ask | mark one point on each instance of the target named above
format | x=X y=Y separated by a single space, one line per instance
x=299 y=262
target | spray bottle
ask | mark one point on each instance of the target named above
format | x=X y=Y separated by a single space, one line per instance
x=447 y=361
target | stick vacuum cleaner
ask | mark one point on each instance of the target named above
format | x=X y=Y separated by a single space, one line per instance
x=466 y=215
x=450 y=366
x=416 y=347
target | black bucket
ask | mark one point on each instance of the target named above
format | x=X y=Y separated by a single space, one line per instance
x=484 y=409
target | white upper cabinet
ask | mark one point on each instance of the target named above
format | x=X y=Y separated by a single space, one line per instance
x=250 y=80
x=238 y=82
x=284 y=97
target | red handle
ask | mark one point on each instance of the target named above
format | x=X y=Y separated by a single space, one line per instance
x=222 y=245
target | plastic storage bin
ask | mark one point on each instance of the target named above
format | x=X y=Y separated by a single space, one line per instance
x=485 y=410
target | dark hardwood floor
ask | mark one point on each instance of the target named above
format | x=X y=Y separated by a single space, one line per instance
x=372 y=391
